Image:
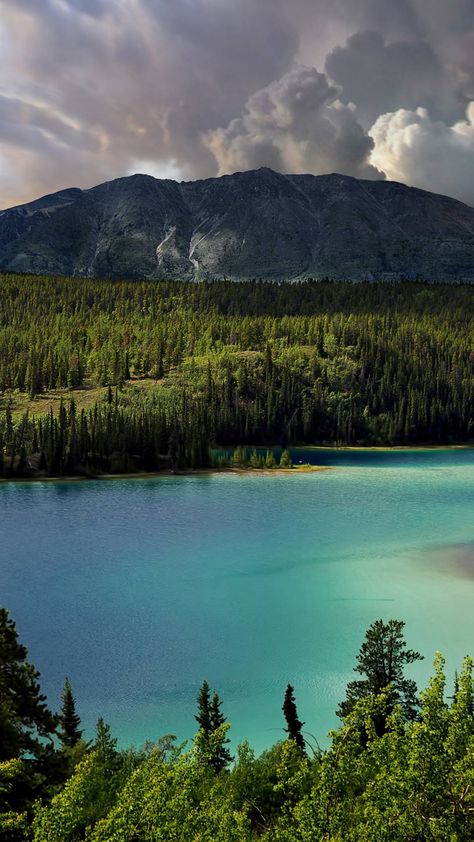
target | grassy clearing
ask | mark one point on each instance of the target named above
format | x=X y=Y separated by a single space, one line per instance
x=85 y=398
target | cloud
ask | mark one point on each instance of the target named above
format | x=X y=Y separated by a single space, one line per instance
x=97 y=87
x=147 y=77
x=382 y=77
x=296 y=124
x=42 y=149
x=413 y=148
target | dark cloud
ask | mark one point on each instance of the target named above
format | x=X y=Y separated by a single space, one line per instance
x=381 y=77
x=92 y=89
x=95 y=8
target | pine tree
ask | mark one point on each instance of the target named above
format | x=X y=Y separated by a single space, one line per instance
x=69 y=732
x=240 y=457
x=382 y=659
x=203 y=717
x=285 y=461
x=106 y=747
x=221 y=756
x=269 y=459
x=290 y=712
x=27 y=728
x=254 y=459
x=25 y=720
x=210 y=719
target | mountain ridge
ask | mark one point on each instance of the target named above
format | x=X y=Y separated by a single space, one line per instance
x=253 y=224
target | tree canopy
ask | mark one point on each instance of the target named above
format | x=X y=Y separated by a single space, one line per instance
x=382 y=659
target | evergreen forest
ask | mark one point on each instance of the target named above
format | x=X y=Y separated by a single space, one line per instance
x=112 y=377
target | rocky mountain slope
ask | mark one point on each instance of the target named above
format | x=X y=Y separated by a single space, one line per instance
x=257 y=224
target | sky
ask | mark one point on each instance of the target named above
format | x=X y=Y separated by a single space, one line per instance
x=92 y=90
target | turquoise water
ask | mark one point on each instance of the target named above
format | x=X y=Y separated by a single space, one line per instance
x=140 y=589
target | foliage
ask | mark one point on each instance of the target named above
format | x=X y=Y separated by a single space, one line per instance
x=13 y=823
x=382 y=659
x=88 y=795
x=285 y=460
x=412 y=781
x=175 y=369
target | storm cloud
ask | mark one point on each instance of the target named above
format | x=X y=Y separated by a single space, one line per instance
x=96 y=89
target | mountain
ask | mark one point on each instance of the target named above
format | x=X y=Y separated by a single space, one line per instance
x=257 y=224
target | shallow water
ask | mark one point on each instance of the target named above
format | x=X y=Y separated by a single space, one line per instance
x=140 y=589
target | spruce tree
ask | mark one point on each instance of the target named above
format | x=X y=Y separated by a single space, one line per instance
x=106 y=747
x=203 y=716
x=290 y=712
x=381 y=660
x=69 y=732
x=25 y=720
x=285 y=461
x=27 y=728
x=269 y=459
x=210 y=718
x=221 y=756
x=254 y=459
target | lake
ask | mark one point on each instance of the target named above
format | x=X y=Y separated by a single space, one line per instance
x=138 y=589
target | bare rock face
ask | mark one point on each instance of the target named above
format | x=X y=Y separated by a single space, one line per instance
x=257 y=224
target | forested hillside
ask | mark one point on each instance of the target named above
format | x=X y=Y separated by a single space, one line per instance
x=116 y=376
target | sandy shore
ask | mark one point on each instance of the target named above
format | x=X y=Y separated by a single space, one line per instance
x=297 y=469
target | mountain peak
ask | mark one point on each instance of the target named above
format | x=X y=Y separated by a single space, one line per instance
x=253 y=224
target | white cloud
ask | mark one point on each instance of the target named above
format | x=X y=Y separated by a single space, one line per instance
x=295 y=124
x=412 y=148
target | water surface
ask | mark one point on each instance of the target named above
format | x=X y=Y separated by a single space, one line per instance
x=140 y=589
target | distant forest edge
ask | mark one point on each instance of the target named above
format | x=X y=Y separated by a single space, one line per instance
x=114 y=376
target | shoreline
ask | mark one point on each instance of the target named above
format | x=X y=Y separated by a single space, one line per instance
x=240 y=471
x=296 y=469
x=382 y=447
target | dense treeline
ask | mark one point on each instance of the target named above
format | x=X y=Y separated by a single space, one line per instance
x=399 y=769
x=108 y=438
x=229 y=363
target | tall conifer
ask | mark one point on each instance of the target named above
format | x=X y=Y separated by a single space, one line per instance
x=69 y=732
x=293 y=724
